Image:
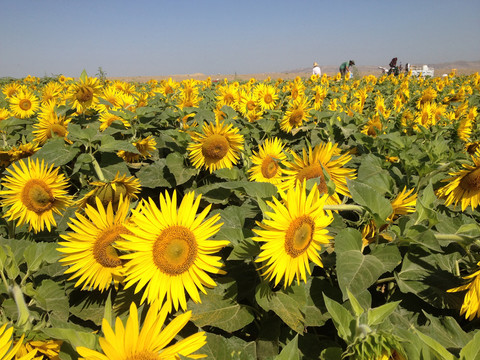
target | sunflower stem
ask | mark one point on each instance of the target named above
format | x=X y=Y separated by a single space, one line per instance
x=23 y=312
x=97 y=168
x=344 y=207
x=453 y=237
x=11 y=229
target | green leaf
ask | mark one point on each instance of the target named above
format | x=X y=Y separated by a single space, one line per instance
x=253 y=189
x=424 y=206
x=371 y=199
x=109 y=144
x=56 y=152
x=290 y=351
x=471 y=351
x=357 y=308
x=377 y=315
x=38 y=253
x=50 y=296
x=435 y=346
x=348 y=239
x=153 y=176
x=220 y=348
x=371 y=173
x=341 y=318
x=219 y=311
x=76 y=132
x=288 y=305
x=175 y=164
x=73 y=336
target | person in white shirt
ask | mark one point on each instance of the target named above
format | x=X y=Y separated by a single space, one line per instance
x=316 y=69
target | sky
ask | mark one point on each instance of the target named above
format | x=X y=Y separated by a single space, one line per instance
x=160 y=38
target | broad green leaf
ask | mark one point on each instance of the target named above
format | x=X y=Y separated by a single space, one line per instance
x=341 y=318
x=371 y=199
x=109 y=144
x=38 y=253
x=56 y=152
x=76 y=132
x=253 y=189
x=288 y=305
x=435 y=346
x=348 y=239
x=290 y=351
x=73 y=336
x=50 y=296
x=371 y=172
x=471 y=351
x=424 y=206
x=175 y=164
x=220 y=348
x=153 y=176
x=220 y=311
x=377 y=315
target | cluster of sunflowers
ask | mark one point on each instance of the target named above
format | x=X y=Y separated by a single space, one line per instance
x=325 y=154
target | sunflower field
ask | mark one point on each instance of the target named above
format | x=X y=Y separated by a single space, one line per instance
x=315 y=218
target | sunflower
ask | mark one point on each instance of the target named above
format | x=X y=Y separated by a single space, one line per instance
x=266 y=163
x=111 y=191
x=464 y=185
x=4 y=114
x=296 y=113
x=89 y=250
x=23 y=151
x=24 y=104
x=217 y=148
x=107 y=118
x=8 y=351
x=11 y=89
x=45 y=348
x=148 y=342
x=471 y=302
x=324 y=159
x=84 y=94
x=169 y=252
x=403 y=204
x=294 y=234
x=144 y=147
x=51 y=91
x=267 y=96
x=50 y=126
x=34 y=192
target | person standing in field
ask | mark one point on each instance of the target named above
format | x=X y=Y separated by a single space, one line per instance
x=316 y=69
x=345 y=67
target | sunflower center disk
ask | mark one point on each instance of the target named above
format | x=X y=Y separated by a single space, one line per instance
x=144 y=355
x=25 y=104
x=103 y=251
x=215 y=147
x=311 y=172
x=84 y=94
x=471 y=181
x=296 y=117
x=268 y=98
x=269 y=167
x=59 y=130
x=299 y=236
x=175 y=250
x=250 y=105
x=37 y=196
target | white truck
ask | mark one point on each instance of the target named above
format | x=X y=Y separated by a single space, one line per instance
x=423 y=70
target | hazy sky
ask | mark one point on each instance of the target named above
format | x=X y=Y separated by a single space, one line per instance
x=148 y=38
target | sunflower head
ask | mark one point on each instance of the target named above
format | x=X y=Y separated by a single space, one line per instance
x=33 y=193
x=112 y=191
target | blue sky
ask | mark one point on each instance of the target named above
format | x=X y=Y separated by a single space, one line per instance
x=154 y=38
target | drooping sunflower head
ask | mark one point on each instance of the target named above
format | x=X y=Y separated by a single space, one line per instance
x=463 y=186
x=90 y=249
x=145 y=149
x=112 y=191
x=33 y=193
x=48 y=348
x=266 y=163
x=324 y=163
x=169 y=252
x=217 y=147
x=293 y=234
